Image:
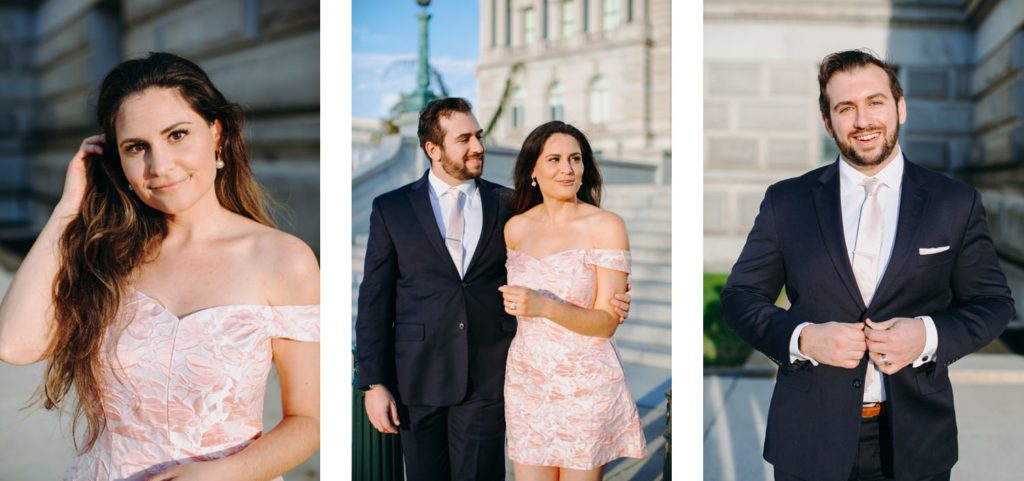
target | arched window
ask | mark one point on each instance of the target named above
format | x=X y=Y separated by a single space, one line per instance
x=556 y=102
x=518 y=109
x=598 y=101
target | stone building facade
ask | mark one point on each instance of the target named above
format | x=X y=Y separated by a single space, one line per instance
x=602 y=65
x=961 y=64
x=263 y=54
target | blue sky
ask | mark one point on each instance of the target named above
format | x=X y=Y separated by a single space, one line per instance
x=387 y=31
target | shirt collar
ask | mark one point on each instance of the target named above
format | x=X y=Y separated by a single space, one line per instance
x=892 y=175
x=440 y=187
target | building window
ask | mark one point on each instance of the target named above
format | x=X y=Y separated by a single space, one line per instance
x=629 y=11
x=568 y=18
x=556 y=102
x=508 y=22
x=494 y=23
x=611 y=14
x=598 y=101
x=586 y=15
x=529 y=26
x=544 y=20
x=518 y=110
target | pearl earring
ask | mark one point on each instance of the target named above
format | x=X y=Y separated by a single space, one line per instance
x=534 y=182
x=130 y=187
x=219 y=163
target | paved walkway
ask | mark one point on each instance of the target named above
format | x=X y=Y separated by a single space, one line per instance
x=989 y=393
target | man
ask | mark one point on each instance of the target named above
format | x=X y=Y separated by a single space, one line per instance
x=432 y=335
x=892 y=277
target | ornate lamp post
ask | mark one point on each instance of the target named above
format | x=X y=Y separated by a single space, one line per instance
x=422 y=96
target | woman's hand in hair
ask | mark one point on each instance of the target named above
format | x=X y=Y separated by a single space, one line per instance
x=75 y=180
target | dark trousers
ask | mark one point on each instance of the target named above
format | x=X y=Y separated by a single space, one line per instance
x=465 y=442
x=874 y=455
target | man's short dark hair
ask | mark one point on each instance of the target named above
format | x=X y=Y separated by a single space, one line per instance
x=849 y=60
x=430 y=119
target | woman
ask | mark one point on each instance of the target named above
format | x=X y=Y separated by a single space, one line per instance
x=160 y=292
x=567 y=406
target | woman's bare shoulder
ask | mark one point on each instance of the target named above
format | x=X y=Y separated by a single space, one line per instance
x=607 y=229
x=519 y=226
x=286 y=263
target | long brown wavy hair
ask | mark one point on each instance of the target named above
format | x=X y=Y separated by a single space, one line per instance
x=526 y=195
x=114 y=233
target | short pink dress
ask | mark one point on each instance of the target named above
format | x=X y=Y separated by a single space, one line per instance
x=566 y=399
x=182 y=390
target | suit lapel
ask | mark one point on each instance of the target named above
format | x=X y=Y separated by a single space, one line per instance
x=912 y=201
x=419 y=198
x=830 y=221
x=489 y=208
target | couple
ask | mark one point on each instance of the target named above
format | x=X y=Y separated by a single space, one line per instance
x=435 y=325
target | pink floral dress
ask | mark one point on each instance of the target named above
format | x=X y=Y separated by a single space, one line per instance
x=181 y=390
x=566 y=399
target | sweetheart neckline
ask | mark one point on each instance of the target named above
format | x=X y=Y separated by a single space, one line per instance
x=563 y=251
x=180 y=318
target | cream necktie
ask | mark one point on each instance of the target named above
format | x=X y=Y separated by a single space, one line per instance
x=866 y=252
x=455 y=228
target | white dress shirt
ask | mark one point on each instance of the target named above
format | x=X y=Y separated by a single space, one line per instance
x=472 y=213
x=852 y=197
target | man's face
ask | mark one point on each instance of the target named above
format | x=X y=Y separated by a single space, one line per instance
x=864 y=118
x=462 y=155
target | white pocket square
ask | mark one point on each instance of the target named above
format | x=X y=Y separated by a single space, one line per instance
x=927 y=251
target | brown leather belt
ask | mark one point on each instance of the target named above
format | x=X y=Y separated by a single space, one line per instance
x=871 y=410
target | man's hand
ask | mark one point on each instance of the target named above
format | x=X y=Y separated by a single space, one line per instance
x=894 y=344
x=621 y=302
x=839 y=344
x=382 y=410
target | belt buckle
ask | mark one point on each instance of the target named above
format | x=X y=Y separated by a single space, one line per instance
x=870 y=410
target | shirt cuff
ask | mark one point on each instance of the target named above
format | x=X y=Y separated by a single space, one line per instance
x=931 y=342
x=794 y=346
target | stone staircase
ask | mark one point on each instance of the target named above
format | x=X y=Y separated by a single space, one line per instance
x=646 y=337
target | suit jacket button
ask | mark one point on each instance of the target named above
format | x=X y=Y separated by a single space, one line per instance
x=857 y=384
x=462 y=326
x=465 y=285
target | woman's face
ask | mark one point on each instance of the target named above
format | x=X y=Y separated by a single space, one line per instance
x=167 y=150
x=559 y=169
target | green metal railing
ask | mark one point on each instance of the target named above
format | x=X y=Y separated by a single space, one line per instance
x=375 y=456
x=667 y=473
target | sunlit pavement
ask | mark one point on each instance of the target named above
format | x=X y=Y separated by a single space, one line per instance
x=988 y=392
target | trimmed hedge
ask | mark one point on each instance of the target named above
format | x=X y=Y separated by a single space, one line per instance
x=721 y=346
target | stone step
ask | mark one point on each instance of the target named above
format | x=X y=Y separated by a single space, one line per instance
x=643 y=332
x=645 y=213
x=649 y=271
x=646 y=239
x=658 y=291
x=645 y=354
x=650 y=311
x=654 y=226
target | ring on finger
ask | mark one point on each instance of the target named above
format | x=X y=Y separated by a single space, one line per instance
x=512 y=306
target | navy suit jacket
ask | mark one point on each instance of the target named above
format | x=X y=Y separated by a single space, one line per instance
x=797 y=241
x=421 y=330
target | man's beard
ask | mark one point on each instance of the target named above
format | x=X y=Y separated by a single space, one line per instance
x=850 y=154
x=459 y=170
